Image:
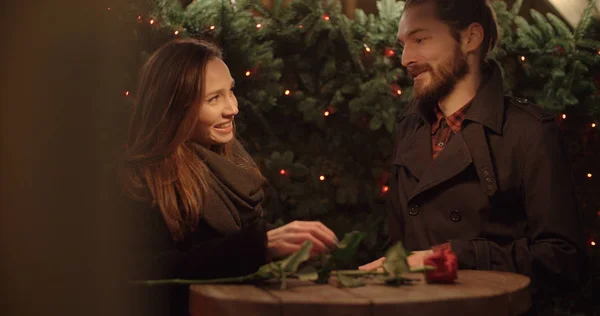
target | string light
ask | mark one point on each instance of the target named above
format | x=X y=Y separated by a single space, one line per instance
x=151 y=21
x=593 y=243
x=564 y=116
x=367 y=48
x=593 y=125
x=282 y=172
x=399 y=92
x=598 y=213
x=322 y=178
x=326 y=17
x=389 y=52
x=126 y=93
x=598 y=52
x=258 y=25
x=326 y=113
x=522 y=58
x=176 y=32
x=385 y=189
x=212 y=27
x=108 y=9
x=300 y=26
x=248 y=73
x=139 y=18
x=589 y=175
x=287 y=92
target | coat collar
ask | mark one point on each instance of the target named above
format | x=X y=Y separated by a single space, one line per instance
x=487 y=108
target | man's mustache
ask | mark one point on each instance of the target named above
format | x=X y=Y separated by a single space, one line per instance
x=416 y=69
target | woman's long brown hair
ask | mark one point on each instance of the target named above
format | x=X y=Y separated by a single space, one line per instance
x=159 y=164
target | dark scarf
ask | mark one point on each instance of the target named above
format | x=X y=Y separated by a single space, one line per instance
x=234 y=191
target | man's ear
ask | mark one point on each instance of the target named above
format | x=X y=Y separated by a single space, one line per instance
x=472 y=38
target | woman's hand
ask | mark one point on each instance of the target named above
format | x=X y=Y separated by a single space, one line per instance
x=289 y=238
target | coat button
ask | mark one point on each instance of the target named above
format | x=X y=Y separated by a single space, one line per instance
x=413 y=210
x=455 y=216
x=486 y=173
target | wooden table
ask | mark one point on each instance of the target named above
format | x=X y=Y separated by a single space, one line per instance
x=474 y=293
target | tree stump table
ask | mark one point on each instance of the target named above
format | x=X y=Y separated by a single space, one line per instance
x=486 y=293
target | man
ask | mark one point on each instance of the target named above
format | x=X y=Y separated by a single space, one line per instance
x=485 y=173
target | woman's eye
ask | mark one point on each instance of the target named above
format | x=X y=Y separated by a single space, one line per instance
x=213 y=99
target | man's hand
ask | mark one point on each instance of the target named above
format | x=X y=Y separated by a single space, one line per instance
x=289 y=238
x=375 y=265
x=415 y=260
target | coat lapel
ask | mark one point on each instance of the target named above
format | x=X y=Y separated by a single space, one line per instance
x=451 y=161
x=416 y=154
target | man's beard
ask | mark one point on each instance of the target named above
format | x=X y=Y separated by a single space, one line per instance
x=442 y=80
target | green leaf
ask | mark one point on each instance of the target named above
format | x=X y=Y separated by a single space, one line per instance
x=344 y=252
x=348 y=281
x=542 y=24
x=308 y=274
x=390 y=122
x=360 y=17
x=588 y=43
x=586 y=20
x=516 y=7
x=375 y=123
x=395 y=260
x=347 y=247
x=422 y=269
x=291 y=263
x=288 y=157
x=561 y=28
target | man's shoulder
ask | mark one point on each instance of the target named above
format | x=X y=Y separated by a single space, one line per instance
x=408 y=119
x=522 y=111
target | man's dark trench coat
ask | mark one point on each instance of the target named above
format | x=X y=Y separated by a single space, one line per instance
x=500 y=191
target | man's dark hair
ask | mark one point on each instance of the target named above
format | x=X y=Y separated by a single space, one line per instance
x=459 y=14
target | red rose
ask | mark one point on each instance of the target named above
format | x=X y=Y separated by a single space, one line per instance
x=445 y=263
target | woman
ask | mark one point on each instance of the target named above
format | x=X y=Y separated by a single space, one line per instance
x=198 y=191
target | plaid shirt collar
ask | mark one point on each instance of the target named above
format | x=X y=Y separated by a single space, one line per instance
x=454 y=121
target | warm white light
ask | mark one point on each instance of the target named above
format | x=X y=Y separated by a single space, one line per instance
x=287 y=92
x=322 y=178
